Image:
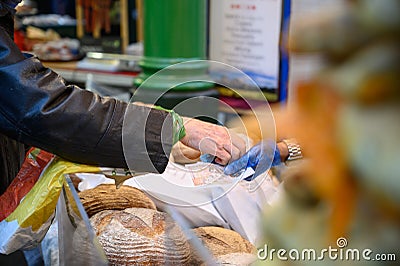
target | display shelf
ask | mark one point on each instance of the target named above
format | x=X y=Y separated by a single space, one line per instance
x=72 y=74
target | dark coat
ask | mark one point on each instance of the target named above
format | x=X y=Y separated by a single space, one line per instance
x=38 y=109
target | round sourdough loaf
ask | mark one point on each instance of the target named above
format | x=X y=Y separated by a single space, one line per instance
x=227 y=246
x=138 y=236
x=108 y=197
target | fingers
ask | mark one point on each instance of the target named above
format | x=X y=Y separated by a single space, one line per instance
x=183 y=154
x=236 y=166
x=233 y=150
x=213 y=139
x=209 y=145
x=250 y=159
x=235 y=145
x=227 y=145
x=223 y=157
x=238 y=142
x=228 y=142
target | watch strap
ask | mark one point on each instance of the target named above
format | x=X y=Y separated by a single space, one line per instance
x=294 y=149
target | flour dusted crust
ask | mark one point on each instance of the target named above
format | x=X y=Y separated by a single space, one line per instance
x=108 y=197
x=225 y=245
x=84 y=250
x=237 y=259
x=138 y=236
x=222 y=241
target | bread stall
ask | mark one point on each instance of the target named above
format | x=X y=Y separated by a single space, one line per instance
x=83 y=215
x=151 y=220
x=100 y=224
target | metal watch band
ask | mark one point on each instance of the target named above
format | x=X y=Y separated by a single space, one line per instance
x=294 y=149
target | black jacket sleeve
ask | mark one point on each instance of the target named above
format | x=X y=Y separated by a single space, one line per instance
x=38 y=109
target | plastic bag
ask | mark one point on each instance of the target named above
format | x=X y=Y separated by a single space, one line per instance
x=34 y=163
x=26 y=226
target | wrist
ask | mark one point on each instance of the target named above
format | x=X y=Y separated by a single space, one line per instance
x=283 y=151
x=178 y=127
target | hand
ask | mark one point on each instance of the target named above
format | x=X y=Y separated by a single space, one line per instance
x=183 y=154
x=213 y=139
x=261 y=157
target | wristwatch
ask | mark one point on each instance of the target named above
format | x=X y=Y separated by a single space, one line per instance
x=294 y=150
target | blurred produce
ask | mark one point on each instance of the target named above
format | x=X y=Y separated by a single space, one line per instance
x=34 y=35
x=41 y=35
x=59 y=50
x=347 y=122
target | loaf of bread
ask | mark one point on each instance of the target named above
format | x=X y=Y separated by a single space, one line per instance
x=138 y=236
x=85 y=249
x=237 y=259
x=225 y=245
x=108 y=197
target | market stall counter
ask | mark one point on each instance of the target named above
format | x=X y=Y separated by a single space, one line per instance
x=78 y=215
x=150 y=219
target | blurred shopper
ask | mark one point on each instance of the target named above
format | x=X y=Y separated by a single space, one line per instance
x=345 y=197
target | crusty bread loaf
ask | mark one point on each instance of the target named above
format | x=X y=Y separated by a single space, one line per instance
x=222 y=241
x=237 y=259
x=108 y=197
x=84 y=249
x=138 y=236
x=223 y=244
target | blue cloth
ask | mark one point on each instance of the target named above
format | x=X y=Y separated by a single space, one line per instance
x=34 y=256
x=260 y=157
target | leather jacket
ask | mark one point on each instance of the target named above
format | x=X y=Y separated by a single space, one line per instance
x=38 y=109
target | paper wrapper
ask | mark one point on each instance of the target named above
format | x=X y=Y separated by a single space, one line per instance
x=237 y=209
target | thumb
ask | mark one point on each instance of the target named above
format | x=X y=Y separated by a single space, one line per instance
x=237 y=165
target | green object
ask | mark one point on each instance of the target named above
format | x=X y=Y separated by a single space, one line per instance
x=174 y=31
x=177 y=124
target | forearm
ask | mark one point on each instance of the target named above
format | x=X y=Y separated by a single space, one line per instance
x=38 y=109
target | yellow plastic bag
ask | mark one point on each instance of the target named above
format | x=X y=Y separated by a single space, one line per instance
x=26 y=226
